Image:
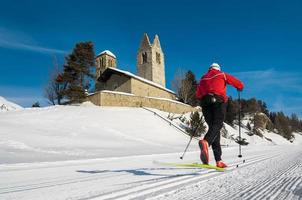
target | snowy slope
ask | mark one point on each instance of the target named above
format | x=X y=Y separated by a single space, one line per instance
x=90 y=152
x=76 y=132
x=8 y=106
x=88 y=131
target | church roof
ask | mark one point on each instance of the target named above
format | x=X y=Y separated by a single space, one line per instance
x=109 y=71
x=109 y=53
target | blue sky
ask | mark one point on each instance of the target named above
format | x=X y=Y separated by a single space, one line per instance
x=258 y=41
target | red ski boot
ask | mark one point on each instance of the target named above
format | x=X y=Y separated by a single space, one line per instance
x=221 y=164
x=204 y=151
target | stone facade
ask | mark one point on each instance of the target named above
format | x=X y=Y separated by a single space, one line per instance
x=104 y=60
x=115 y=83
x=109 y=98
x=150 y=91
x=150 y=61
x=122 y=81
x=115 y=87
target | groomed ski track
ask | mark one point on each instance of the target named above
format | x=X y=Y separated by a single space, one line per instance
x=273 y=172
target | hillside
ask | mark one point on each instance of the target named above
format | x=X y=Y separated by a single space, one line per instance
x=88 y=131
x=90 y=152
x=8 y=106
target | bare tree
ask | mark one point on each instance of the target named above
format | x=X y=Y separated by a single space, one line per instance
x=52 y=90
x=177 y=84
x=184 y=86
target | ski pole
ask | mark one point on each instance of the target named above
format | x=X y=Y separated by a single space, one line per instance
x=181 y=157
x=239 y=119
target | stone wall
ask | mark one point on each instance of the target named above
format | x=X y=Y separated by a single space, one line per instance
x=115 y=83
x=140 y=88
x=120 y=83
x=108 y=98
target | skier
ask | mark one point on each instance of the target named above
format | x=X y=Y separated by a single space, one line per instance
x=211 y=92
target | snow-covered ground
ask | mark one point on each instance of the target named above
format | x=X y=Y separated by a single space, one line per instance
x=8 y=106
x=90 y=152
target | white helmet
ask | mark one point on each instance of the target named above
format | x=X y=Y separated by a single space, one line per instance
x=215 y=66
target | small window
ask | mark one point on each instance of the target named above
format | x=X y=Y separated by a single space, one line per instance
x=115 y=86
x=144 y=57
x=158 y=58
x=103 y=62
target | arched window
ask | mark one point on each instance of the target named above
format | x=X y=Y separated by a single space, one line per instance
x=144 y=57
x=103 y=62
x=158 y=58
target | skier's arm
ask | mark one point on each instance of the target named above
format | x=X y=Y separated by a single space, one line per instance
x=198 y=91
x=231 y=80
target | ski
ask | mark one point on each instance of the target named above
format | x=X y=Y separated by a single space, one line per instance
x=196 y=165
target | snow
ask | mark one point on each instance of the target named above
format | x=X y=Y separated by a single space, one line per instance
x=8 y=106
x=130 y=94
x=142 y=79
x=90 y=152
x=108 y=53
x=171 y=100
x=116 y=92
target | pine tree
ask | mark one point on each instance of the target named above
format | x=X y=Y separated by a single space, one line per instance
x=231 y=112
x=282 y=124
x=295 y=122
x=250 y=106
x=77 y=72
x=190 y=78
x=263 y=107
x=196 y=125
x=36 y=105
x=185 y=85
x=241 y=141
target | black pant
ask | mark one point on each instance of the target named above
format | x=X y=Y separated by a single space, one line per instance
x=214 y=115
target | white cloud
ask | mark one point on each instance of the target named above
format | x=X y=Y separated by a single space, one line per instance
x=271 y=79
x=17 y=40
x=281 y=90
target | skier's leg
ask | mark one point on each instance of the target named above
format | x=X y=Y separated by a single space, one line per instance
x=219 y=115
x=217 y=148
x=203 y=144
x=207 y=113
x=218 y=110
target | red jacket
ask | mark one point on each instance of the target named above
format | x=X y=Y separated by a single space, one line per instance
x=215 y=82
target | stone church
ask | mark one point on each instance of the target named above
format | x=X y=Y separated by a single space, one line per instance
x=147 y=88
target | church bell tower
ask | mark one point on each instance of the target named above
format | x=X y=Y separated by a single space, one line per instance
x=150 y=61
x=104 y=60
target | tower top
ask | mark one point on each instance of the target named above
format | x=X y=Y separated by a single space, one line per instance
x=156 y=42
x=145 y=41
x=150 y=60
x=107 y=52
x=104 y=60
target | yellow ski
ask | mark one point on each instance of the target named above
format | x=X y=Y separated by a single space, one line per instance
x=196 y=165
